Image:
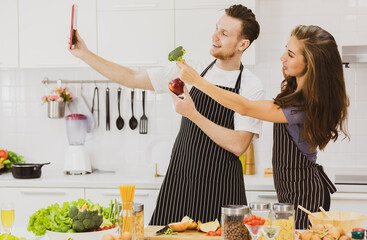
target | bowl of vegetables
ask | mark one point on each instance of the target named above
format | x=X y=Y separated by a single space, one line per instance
x=95 y=235
x=79 y=220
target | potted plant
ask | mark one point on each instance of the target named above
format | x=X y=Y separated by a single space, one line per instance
x=56 y=102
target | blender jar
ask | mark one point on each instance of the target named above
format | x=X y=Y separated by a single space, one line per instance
x=76 y=128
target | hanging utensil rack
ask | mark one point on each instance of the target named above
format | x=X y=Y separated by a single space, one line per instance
x=46 y=81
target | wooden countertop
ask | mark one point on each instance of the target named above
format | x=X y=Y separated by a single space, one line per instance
x=188 y=234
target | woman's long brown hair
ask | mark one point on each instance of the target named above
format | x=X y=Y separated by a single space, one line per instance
x=323 y=97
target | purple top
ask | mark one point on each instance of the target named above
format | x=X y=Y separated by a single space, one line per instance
x=295 y=128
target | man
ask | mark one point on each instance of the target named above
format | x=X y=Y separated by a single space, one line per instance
x=204 y=173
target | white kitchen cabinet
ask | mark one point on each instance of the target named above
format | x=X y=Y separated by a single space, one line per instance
x=195 y=22
x=28 y=200
x=44 y=29
x=351 y=202
x=9 y=36
x=104 y=197
x=136 y=34
x=261 y=196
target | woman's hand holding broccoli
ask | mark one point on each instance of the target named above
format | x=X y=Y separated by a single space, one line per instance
x=188 y=74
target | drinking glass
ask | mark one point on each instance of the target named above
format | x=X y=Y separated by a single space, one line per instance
x=271 y=231
x=254 y=230
x=7 y=216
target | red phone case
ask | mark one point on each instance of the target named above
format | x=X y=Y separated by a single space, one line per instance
x=72 y=40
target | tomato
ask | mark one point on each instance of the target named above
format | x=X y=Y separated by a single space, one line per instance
x=211 y=233
x=246 y=219
x=3 y=154
x=219 y=232
x=262 y=222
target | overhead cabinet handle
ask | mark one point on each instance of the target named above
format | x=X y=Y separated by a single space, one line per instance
x=30 y=192
x=267 y=195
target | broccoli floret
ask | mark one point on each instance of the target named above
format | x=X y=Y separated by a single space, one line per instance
x=86 y=220
x=176 y=54
x=78 y=226
x=73 y=212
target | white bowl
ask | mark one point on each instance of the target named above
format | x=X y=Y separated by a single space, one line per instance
x=97 y=235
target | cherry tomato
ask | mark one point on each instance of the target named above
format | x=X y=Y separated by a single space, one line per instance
x=211 y=233
x=3 y=154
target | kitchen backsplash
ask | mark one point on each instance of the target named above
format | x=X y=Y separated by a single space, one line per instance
x=25 y=128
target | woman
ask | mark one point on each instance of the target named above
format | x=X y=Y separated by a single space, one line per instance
x=310 y=110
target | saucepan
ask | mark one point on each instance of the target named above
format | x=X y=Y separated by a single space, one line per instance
x=27 y=170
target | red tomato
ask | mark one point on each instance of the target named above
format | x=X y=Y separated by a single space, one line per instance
x=3 y=154
x=211 y=233
x=262 y=222
x=219 y=232
x=246 y=219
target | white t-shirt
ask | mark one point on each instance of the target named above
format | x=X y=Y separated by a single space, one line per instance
x=251 y=87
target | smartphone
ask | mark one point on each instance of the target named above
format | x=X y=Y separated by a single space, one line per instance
x=74 y=16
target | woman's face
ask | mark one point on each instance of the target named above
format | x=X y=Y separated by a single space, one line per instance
x=294 y=64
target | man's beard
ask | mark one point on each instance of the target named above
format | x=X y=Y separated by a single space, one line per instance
x=223 y=56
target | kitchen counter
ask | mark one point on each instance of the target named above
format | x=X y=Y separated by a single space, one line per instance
x=56 y=179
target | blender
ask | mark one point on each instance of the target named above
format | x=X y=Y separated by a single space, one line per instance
x=77 y=161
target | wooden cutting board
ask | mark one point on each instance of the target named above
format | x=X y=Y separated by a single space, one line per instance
x=188 y=234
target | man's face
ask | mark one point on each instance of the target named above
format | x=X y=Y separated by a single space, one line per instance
x=227 y=39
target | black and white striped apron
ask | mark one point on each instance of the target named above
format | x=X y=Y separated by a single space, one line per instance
x=297 y=180
x=202 y=176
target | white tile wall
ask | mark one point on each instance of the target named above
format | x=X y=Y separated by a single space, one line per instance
x=25 y=128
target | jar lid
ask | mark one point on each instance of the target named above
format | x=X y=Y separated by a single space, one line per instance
x=76 y=116
x=283 y=207
x=357 y=235
x=259 y=206
x=235 y=209
x=138 y=207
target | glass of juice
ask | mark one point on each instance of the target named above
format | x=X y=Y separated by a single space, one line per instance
x=7 y=216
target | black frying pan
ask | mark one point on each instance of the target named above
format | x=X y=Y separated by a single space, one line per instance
x=27 y=170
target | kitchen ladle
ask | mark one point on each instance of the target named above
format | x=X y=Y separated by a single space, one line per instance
x=133 y=123
x=119 y=122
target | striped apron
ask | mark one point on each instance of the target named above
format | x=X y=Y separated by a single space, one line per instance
x=297 y=180
x=201 y=176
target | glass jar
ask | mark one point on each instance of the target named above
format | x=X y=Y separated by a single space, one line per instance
x=118 y=217
x=261 y=209
x=126 y=221
x=264 y=211
x=233 y=227
x=138 y=216
x=283 y=216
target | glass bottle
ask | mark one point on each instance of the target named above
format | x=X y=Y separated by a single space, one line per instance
x=233 y=227
x=283 y=216
x=138 y=217
x=126 y=221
